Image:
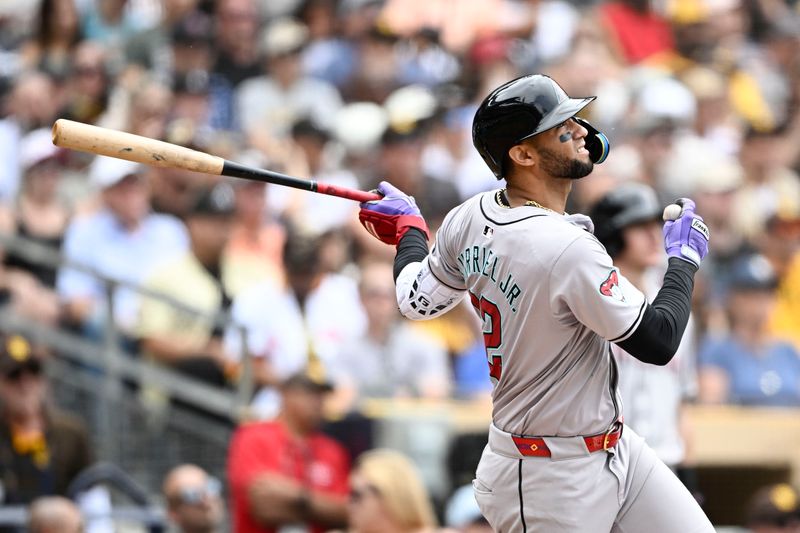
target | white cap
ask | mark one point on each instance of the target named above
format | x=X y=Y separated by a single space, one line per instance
x=283 y=36
x=359 y=125
x=408 y=105
x=666 y=98
x=105 y=172
x=35 y=147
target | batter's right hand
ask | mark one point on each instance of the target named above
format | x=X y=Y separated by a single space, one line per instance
x=687 y=236
x=389 y=218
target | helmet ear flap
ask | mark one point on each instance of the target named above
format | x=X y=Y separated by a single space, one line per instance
x=596 y=142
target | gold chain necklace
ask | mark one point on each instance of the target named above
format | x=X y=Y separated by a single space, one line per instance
x=530 y=203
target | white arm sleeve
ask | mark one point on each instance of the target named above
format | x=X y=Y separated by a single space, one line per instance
x=421 y=296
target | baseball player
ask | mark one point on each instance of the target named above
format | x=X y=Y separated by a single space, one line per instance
x=559 y=457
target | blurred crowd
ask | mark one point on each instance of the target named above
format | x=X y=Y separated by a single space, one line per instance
x=207 y=275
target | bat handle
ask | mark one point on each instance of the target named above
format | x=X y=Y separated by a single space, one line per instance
x=344 y=192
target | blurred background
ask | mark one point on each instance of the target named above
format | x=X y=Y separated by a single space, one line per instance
x=182 y=351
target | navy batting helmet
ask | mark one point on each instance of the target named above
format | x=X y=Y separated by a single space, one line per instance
x=523 y=108
x=628 y=204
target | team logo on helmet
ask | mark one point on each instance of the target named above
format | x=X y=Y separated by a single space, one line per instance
x=610 y=287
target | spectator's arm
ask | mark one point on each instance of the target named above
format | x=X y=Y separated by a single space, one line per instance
x=276 y=500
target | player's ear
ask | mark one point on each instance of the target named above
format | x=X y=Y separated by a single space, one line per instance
x=522 y=154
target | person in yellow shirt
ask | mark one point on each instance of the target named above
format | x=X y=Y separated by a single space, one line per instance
x=188 y=337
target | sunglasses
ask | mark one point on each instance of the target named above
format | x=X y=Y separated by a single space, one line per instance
x=197 y=495
x=31 y=367
x=357 y=495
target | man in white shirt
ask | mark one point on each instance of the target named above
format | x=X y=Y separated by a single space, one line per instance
x=391 y=358
x=123 y=241
x=305 y=323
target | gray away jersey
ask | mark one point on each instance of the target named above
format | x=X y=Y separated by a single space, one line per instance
x=551 y=301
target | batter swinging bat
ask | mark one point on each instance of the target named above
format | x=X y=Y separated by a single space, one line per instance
x=113 y=143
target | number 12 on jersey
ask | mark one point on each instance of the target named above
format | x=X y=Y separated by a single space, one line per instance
x=492 y=335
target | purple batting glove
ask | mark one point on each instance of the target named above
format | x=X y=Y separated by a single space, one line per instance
x=687 y=236
x=389 y=218
x=394 y=202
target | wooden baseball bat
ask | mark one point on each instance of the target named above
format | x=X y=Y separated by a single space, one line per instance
x=122 y=145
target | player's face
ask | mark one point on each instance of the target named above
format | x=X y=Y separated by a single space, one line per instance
x=562 y=151
x=643 y=244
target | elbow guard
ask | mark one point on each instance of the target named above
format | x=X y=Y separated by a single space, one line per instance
x=421 y=296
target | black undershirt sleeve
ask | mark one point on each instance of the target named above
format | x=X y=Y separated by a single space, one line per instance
x=412 y=248
x=659 y=334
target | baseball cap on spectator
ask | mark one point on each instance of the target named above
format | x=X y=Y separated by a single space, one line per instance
x=725 y=175
x=308 y=380
x=664 y=100
x=16 y=354
x=284 y=36
x=37 y=147
x=408 y=106
x=216 y=201
x=372 y=121
x=105 y=172
x=774 y=505
x=753 y=273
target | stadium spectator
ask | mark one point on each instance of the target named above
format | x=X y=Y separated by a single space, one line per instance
x=43 y=449
x=318 y=213
x=255 y=246
x=400 y=163
x=149 y=49
x=748 y=366
x=110 y=24
x=385 y=362
x=57 y=31
x=287 y=328
x=88 y=84
x=628 y=223
x=303 y=478
x=271 y=103
x=781 y=246
x=768 y=178
x=192 y=59
x=190 y=340
x=237 y=23
x=193 y=498
x=31 y=104
x=387 y=494
x=40 y=216
x=123 y=241
x=54 y=514
x=773 y=509
x=328 y=56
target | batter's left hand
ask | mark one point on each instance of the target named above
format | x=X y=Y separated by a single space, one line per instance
x=389 y=218
x=687 y=236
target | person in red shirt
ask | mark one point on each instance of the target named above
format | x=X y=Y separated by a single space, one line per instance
x=285 y=471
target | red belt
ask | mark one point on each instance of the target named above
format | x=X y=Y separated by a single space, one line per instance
x=537 y=447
